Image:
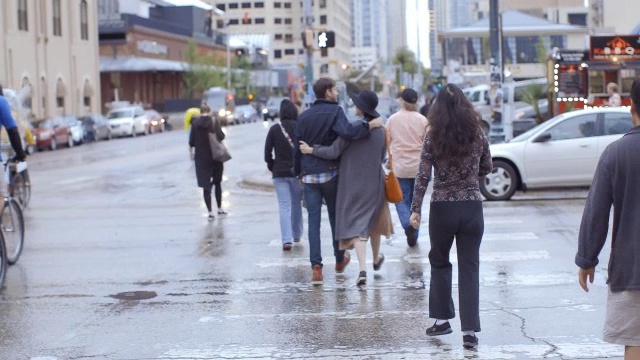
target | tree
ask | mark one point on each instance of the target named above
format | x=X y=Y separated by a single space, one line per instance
x=532 y=95
x=407 y=60
x=203 y=71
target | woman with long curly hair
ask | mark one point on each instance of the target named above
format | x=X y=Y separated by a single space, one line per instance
x=458 y=151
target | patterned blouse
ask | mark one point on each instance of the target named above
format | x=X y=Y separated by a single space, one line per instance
x=452 y=182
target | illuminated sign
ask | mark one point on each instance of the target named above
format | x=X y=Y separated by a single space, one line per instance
x=615 y=48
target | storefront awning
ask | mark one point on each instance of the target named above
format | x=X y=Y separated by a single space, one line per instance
x=139 y=64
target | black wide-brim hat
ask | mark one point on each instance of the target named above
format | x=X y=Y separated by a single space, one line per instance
x=367 y=101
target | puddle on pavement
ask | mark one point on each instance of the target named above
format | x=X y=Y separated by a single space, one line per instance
x=135 y=295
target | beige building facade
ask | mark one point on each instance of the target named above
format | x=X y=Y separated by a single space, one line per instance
x=283 y=22
x=620 y=17
x=51 y=46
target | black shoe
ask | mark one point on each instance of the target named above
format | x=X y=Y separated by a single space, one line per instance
x=377 y=266
x=211 y=217
x=442 y=329
x=469 y=341
x=362 y=278
x=412 y=238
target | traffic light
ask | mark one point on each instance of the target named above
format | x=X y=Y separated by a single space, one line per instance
x=326 y=39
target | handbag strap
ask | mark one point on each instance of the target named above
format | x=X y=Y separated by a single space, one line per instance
x=284 y=132
x=386 y=140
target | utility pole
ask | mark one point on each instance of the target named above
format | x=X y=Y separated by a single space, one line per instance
x=496 y=72
x=307 y=7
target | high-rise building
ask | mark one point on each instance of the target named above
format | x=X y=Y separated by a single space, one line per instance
x=283 y=22
x=396 y=18
x=51 y=47
x=369 y=32
x=611 y=17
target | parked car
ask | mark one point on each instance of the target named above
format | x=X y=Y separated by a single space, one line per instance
x=561 y=152
x=75 y=126
x=95 y=127
x=155 y=121
x=127 y=121
x=272 y=109
x=51 y=133
x=245 y=114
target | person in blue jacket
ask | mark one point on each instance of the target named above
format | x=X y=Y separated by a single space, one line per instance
x=9 y=123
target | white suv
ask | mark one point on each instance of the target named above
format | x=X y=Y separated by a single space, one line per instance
x=127 y=121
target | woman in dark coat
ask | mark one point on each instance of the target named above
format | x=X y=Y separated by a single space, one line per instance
x=208 y=171
x=280 y=142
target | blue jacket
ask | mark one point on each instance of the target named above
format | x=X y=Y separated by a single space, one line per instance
x=321 y=124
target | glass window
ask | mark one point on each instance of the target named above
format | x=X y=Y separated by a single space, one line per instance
x=574 y=128
x=323 y=19
x=23 y=23
x=233 y=5
x=287 y=21
x=258 y=4
x=324 y=52
x=278 y=36
x=277 y=54
x=617 y=123
x=323 y=4
x=288 y=38
x=526 y=49
x=57 y=18
x=277 y=21
x=84 y=20
x=626 y=79
x=234 y=21
x=222 y=7
x=246 y=5
x=289 y=52
x=596 y=82
x=287 y=5
x=277 y=5
x=259 y=20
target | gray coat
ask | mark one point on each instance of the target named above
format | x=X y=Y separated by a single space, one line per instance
x=361 y=182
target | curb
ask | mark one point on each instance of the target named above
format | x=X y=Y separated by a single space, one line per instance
x=257 y=182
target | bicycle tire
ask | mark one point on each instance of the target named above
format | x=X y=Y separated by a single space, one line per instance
x=12 y=228
x=3 y=262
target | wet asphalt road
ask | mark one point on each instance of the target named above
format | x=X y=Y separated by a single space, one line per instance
x=121 y=263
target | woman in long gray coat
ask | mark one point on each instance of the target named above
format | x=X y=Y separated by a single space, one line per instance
x=362 y=210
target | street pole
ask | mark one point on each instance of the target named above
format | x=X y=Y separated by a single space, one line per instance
x=308 y=69
x=228 y=59
x=497 y=132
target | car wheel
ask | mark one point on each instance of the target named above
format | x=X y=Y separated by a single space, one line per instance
x=70 y=141
x=501 y=183
x=54 y=144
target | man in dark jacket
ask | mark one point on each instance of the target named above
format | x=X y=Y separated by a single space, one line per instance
x=321 y=124
x=616 y=182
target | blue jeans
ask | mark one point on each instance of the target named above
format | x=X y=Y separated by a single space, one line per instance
x=313 y=195
x=404 y=207
x=289 y=195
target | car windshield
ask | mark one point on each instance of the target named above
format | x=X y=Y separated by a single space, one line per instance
x=216 y=100
x=119 y=114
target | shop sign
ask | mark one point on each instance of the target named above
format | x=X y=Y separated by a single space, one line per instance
x=615 y=48
x=152 y=47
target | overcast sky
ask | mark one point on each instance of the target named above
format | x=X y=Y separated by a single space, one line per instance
x=418 y=29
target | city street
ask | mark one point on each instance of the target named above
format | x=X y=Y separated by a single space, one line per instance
x=120 y=262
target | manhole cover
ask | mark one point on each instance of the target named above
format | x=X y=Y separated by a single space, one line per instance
x=135 y=295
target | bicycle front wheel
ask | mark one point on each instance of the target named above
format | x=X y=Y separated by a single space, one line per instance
x=12 y=227
x=3 y=261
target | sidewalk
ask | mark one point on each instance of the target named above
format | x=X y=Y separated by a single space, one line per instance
x=260 y=181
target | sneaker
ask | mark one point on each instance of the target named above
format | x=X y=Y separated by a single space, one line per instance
x=221 y=212
x=286 y=247
x=442 y=329
x=412 y=238
x=377 y=266
x=469 y=341
x=316 y=278
x=362 y=278
x=211 y=217
x=341 y=265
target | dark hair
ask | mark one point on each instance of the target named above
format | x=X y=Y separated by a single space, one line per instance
x=453 y=125
x=204 y=108
x=1 y=92
x=322 y=85
x=288 y=111
x=635 y=95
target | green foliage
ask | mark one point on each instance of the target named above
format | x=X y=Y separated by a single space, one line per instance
x=203 y=71
x=541 y=51
x=407 y=60
x=531 y=95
